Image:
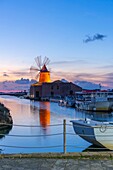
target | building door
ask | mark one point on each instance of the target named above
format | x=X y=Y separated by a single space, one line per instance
x=71 y=92
x=37 y=93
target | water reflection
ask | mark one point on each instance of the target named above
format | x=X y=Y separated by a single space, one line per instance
x=44 y=114
x=33 y=108
x=102 y=116
x=99 y=116
x=95 y=148
x=4 y=131
x=43 y=110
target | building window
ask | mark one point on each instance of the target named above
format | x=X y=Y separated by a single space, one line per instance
x=52 y=93
x=57 y=87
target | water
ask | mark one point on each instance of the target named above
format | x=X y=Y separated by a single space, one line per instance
x=45 y=119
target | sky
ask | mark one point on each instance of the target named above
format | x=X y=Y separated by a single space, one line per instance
x=57 y=29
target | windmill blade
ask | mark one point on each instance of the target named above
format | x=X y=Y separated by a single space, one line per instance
x=37 y=60
x=33 y=71
x=46 y=61
x=40 y=61
x=32 y=68
x=36 y=77
x=50 y=70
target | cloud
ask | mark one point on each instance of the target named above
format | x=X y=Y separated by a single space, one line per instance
x=18 y=85
x=106 y=66
x=110 y=75
x=108 y=78
x=85 y=75
x=14 y=74
x=99 y=36
x=22 y=81
x=22 y=73
x=103 y=79
x=68 y=62
x=94 y=37
x=5 y=74
x=73 y=76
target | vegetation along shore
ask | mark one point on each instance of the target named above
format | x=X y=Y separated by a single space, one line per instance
x=5 y=117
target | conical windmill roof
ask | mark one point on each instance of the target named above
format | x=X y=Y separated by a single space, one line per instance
x=44 y=69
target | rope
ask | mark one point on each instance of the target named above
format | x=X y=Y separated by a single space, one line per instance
x=45 y=147
x=55 y=135
x=6 y=124
x=30 y=147
x=32 y=135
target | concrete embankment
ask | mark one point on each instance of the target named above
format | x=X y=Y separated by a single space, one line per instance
x=70 y=155
x=58 y=161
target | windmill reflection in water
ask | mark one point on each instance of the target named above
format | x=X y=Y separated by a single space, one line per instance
x=44 y=114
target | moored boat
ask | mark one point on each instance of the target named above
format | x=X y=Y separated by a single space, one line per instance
x=62 y=103
x=68 y=101
x=96 y=101
x=95 y=132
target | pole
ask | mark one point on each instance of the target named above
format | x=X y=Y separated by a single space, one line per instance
x=64 y=135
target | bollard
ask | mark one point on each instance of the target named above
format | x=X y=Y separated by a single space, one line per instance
x=64 y=135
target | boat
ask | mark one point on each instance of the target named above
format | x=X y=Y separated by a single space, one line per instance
x=62 y=102
x=68 y=101
x=95 y=101
x=95 y=132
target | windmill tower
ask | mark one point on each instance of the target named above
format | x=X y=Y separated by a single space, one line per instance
x=41 y=70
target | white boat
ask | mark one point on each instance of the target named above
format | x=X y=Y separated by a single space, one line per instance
x=62 y=103
x=68 y=101
x=96 y=101
x=95 y=132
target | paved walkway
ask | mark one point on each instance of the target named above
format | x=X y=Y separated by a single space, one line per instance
x=54 y=164
x=69 y=162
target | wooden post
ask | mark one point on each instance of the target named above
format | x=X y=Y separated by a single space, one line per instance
x=64 y=135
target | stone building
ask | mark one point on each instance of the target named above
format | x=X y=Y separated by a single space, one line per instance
x=53 y=89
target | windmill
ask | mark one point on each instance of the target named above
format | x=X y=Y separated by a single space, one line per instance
x=41 y=70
